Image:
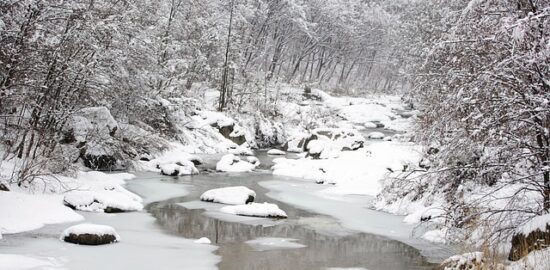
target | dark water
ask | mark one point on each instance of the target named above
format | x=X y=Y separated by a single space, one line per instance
x=323 y=249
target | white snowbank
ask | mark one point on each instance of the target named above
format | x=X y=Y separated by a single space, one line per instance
x=229 y=195
x=353 y=172
x=23 y=262
x=21 y=212
x=97 y=191
x=537 y=223
x=276 y=152
x=535 y=260
x=273 y=243
x=232 y=163
x=203 y=240
x=87 y=228
x=255 y=210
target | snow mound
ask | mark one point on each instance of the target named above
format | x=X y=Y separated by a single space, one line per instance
x=109 y=200
x=472 y=260
x=21 y=212
x=178 y=169
x=229 y=195
x=276 y=152
x=273 y=243
x=90 y=234
x=536 y=260
x=537 y=223
x=232 y=163
x=376 y=135
x=21 y=262
x=203 y=240
x=268 y=210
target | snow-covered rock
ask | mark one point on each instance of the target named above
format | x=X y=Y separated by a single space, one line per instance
x=229 y=195
x=178 y=169
x=268 y=210
x=90 y=234
x=254 y=160
x=472 y=260
x=376 y=135
x=203 y=240
x=232 y=163
x=107 y=200
x=276 y=152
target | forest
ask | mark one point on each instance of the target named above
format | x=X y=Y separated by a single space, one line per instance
x=435 y=111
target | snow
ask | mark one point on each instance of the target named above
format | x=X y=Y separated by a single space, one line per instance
x=276 y=152
x=21 y=212
x=203 y=240
x=232 y=163
x=228 y=195
x=96 y=191
x=100 y=200
x=255 y=210
x=535 y=260
x=24 y=262
x=352 y=172
x=436 y=236
x=376 y=135
x=273 y=243
x=179 y=169
x=464 y=261
x=537 y=223
x=253 y=160
x=173 y=160
x=88 y=228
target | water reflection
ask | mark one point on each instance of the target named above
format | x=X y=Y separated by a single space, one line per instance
x=356 y=250
x=334 y=249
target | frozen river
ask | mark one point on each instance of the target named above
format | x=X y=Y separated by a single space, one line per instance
x=320 y=232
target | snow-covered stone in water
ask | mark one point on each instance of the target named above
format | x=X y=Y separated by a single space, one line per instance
x=388 y=138
x=369 y=125
x=376 y=135
x=276 y=152
x=254 y=160
x=109 y=200
x=472 y=260
x=232 y=163
x=178 y=169
x=90 y=234
x=203 y=240
x=229 y=195
x=267 y=210
x=241 y=150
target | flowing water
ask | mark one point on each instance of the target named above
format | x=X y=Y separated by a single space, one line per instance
x=327 y=243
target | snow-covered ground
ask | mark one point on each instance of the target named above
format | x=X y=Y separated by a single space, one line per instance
x=143 y=244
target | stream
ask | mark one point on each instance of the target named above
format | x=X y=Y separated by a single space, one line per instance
x=320 y=232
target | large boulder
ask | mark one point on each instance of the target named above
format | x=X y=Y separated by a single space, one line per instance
x=534 y=235
x=90 y=234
